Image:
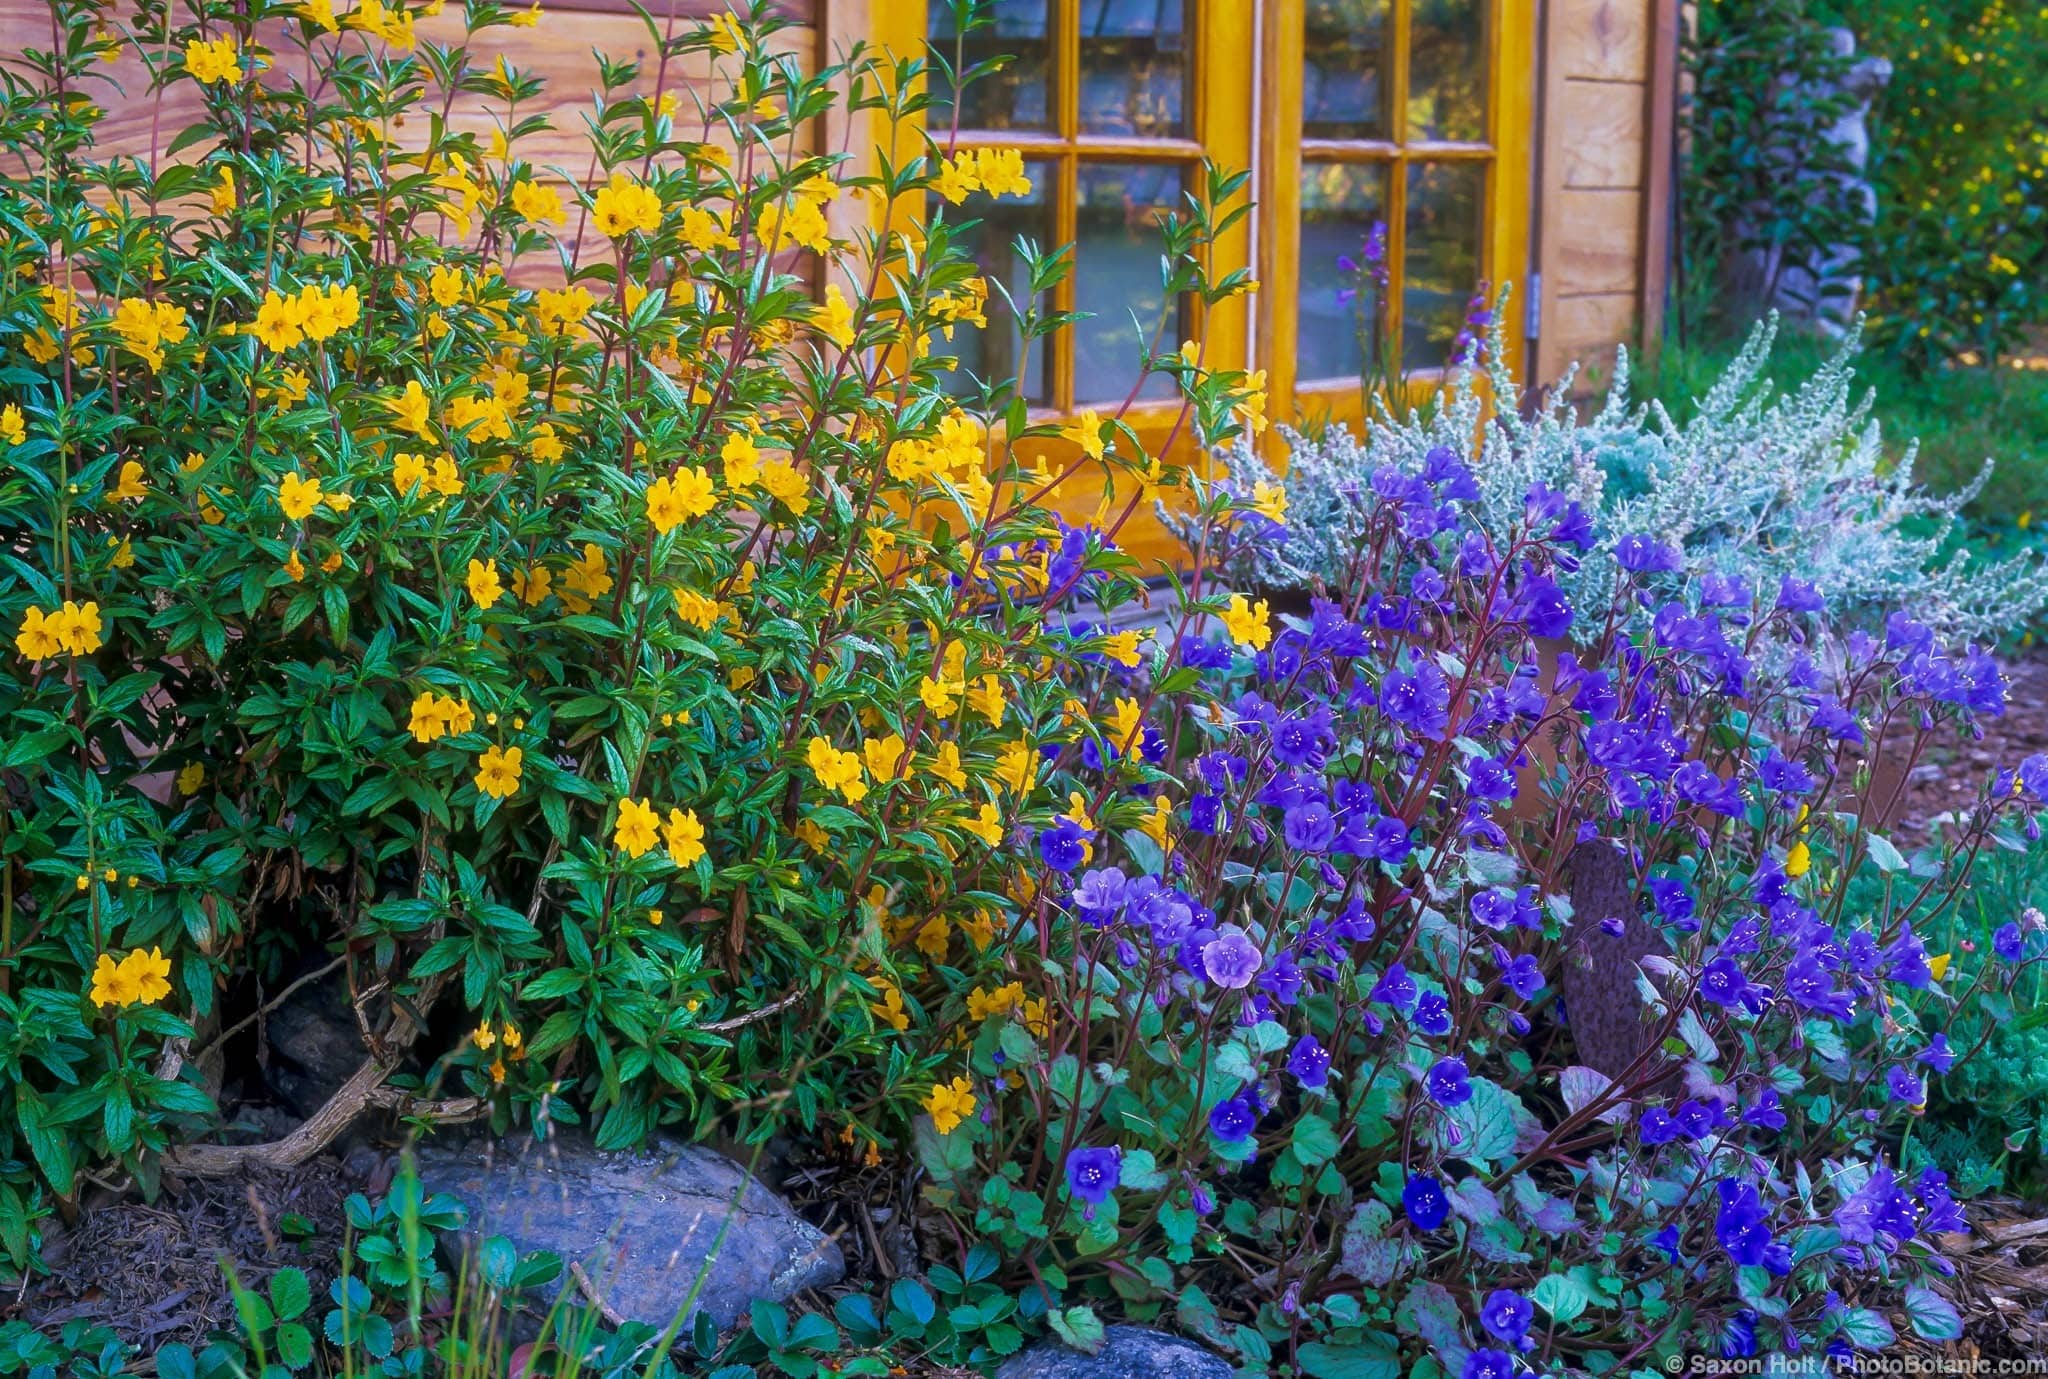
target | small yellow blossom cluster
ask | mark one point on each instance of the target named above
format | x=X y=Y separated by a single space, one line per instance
x=997 y=171
x=212 y=60
x=639 y=828
x=675 y=498
x=435 y=716
x=72 y=627
x=138 y=979
x=950 y=1103
x=623 y=206
x=837 y=770
x=13 y=425
x=312 y=313
x=144 y=328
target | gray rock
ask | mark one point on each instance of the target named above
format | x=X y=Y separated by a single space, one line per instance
x=314 y=1045
x=1128 y=1352
x=643 y=1226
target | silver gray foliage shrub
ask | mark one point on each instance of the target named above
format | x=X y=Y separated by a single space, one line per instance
x=1759 y=483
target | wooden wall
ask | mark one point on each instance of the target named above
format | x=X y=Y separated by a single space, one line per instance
x=1603 y=180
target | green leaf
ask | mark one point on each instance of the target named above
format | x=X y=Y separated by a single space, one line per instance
x=1933 y=1316
x=290 y=1294
x=1562 y=1296
x=1079 y=1327
x=1363 y=1361
x=1315 y=1139
x=1883 y=853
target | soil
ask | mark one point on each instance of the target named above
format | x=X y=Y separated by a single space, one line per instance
x=1953 y=772
x=158 y=1272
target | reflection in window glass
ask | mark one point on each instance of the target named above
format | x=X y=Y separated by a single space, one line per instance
x=1447 y=70
x=1116 y=274
x=1441 y=264
x=1017 y=97
x=990 y=352
x=1134 y=68
x=1344 y=93
x=1343 y=211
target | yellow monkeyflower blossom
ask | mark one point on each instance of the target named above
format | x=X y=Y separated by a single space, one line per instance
x=212 y=60
x=689 y=492
x=706 y=230
x=786 y=484
x=298 y=496
x=1001 y=172
x=889 y=1010
x=836 y=770
x=950 y=1103
x=130 y=487
x=1246 y=622
x=987 y=825
x=684 y=837
x=623 y=206
x=532 y=201
x=141 y=978
x=883 y=755
x=13 y=426
x=835 y=318
x=280 y=321
x=484 y=585
x=696 y=609
x=497 y=771
x=435 y=716
x=638 y=828
x=1085 y=431
x=946 y=765
x=1270 y=501
x=1798 y=859
x=1156 y=824
x=191 y=776
x=409 y=409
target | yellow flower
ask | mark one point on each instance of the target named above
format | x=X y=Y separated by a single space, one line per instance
x=695 y=608
x=297 y=496
x=785 y=482
x=638 y=828
x=1270 y=501
x=1086 y=431
x=689 y=492
x=684 y=837
x=705 y=230
x=1798 y=859
x=484 y=585
x=985 y=697
x=280 y=322
x=13 y=426
x=547 y=446
x=946 y=766
x=150 y=974
x=940 y=696
x=1017 y=767
x=1246 y=623
x=320 y=14
x=883 y=755
x=124 y=553
x=1122 y=648
x=889 y=1010
x=130 y=488
x=526 y=18
x=541 y=205
x=110 y=983
x=295 y=567
x=1001 y=172
x=835 y=318
x=1123 y=723
x=981 y=1004
x=1937 y=965
x=1156 y=824
x=623 y=206
x=836 y=770
x=530 y=585
x=987 y=826
x=191 y=776
x=725 y=34
x=497 y=771
x=957 y=177
x=211 y=60
x=444 y=285
x=801 y=224
x=742 y=460
x=950 y=1103
x=74 y=628
x=586 y=579
x=410 y=409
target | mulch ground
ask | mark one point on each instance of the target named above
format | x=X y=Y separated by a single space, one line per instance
x=158 y=1272
x=1953 y=772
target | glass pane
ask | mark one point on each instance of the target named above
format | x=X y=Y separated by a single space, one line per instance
x=1017 y=97
x=1116 y=273
x=1343 y=268
x=1441 y=265
x=1344 y=93
x=1134 y=68
x=990 y=352
x=1447 y=70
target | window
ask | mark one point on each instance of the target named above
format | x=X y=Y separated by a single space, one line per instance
x=1404 y=123
x=1114 y=104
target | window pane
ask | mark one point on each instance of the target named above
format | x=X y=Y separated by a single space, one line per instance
x=1343 y=207
x=1447 y=70
x=1017 y=97
x=1116 y=273
x=1134 y=67
x=1442 y=258
x=991 y=352
x=1344 y=94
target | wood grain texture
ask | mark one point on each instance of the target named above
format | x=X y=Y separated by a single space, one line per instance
x=1603 y=124
x=1585 y=331
x=1603 y=40
x=1600 y=248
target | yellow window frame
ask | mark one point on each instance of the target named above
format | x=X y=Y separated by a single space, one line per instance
x=1508 y=151
x=1220 y=98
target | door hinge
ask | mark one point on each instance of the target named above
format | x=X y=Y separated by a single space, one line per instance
x=1532 y=308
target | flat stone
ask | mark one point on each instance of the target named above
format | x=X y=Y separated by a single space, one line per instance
x=1128 y=1352
x=643 y=1226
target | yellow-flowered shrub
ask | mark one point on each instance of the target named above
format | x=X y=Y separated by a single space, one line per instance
x=624 y=647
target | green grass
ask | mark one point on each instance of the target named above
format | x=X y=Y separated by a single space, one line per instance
x=1961 y=417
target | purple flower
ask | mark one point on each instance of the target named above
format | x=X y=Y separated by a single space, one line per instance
x=1943 y=1215
x=1231 y=1121
x=1879 y=1213
x=2010 y=943
x=1424 y=1201
x=1418 y=700
x=1488 y=1364
x=1448 y=1083
x=1742 y=1224
x=1309 y=1061
x=1797 y=596
x=1506 y=1314
x=1231 y=959
x=1309 y=827
x=1300 y=740
x=1101 y=892
x=1765 y=1113
x=1543 y=608
x=1396 y=988
x=1432 y=1015
x=1063 y=846
x=1901 y=1085
x=1523 y=974
x=1723 y=982
x=1658 y=1127
x=1092 y=1174
x=1645 y=555
x=1938 y=1055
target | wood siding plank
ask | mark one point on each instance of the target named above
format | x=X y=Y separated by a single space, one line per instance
x=1604 y=40
x=1601 y=244
x=1603 y=133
